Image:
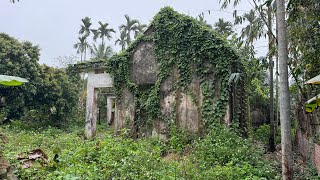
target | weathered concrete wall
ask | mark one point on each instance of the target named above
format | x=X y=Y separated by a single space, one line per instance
x=258 y=117
x=99 y=80
x=188 y=108
x=125 y=111
x=144 y=67
x=160 y=129
x=110 y=109
x=94 y=81
x=91 y=112
x=316 y=156
x=303 y=147
x=302 y=143
x=182 y=105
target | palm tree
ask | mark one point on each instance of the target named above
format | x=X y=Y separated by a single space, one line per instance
x=224 y=27
x=101 y=51
x=102 y=31
x=254 y=29
x=85 y=26
x=128 y=27
x=122 y=40
x=140 y=28
x=201 y=19
x=81 y=46
x=85 y=32
x=286 y=147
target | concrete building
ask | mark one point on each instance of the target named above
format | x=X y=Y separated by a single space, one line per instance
x=184 y=106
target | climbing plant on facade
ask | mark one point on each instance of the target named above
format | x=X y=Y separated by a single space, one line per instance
x=183 y=45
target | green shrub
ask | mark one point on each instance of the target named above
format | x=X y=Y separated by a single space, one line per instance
x=262 y=134
x=220 y=155
x=179 y=139
x=225 y=155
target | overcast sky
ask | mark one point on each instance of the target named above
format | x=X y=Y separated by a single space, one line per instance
x=54 y=24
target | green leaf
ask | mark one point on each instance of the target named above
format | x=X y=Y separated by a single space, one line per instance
x=312 y=104
x=12 y=80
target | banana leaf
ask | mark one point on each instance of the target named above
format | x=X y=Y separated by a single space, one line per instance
x=315 y=80
x=312 y=104
x=12 y=80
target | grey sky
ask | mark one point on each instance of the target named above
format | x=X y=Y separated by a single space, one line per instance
x=54 y=24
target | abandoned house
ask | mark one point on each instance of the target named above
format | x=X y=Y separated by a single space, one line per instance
x=179 y=72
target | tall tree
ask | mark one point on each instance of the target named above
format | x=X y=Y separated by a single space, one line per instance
x=254 y=29
x=224 y=27
x=122 y=40
x=85 y=32
x=131 y=26
x=140 y=28
x=81 y=46
x=101 y=51
x=304 y=37
x=272 y=146
x=102 y=32
x=201 y=19
x=85 y=26
x=258 y=19
x=286 y=146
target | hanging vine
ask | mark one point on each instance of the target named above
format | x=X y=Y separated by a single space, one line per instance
x=183 y=43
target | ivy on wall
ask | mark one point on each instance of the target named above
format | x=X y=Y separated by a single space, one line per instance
x=183 y=43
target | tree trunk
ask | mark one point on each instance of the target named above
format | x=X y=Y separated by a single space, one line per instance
x=277 y=95
x=272 y=147
x=81 y=56
x=277 y=86
x=85 y=53
x=286 y=146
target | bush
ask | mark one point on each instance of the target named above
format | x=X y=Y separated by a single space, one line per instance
x=262 y=134
x=225 y=155
x=220 y=155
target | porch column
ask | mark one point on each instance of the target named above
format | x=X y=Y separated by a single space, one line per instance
x=110 y=100
x=91 y=112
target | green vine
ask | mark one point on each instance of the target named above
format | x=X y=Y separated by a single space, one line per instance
x=184 y=44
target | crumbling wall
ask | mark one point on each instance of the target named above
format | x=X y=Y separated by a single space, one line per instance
x=94 y=81
x=183 y=106
x=125 y=111
x=144 y=68
x=303 y=144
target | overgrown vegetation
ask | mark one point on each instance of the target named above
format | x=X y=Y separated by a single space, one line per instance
x=185 y=44
x=220 y=155
x=51 y=93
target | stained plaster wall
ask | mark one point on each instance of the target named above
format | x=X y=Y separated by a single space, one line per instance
x=94 y=81
x=183 y=107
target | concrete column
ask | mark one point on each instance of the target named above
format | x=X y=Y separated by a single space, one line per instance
x=109 y=109
x=91 y=112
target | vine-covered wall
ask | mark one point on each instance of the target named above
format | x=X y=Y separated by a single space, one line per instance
x=176 y=73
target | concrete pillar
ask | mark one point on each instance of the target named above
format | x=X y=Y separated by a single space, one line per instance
x=109 y=108
x=91 y=112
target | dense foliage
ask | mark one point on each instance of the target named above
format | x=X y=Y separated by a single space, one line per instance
x=49 y=96
x=304 y=37
x=220 y=155
x=187 y=45
x=18 y=59
x=304 y=55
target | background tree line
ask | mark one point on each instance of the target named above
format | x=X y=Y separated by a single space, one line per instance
x=128 y=31
x=50 y=94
